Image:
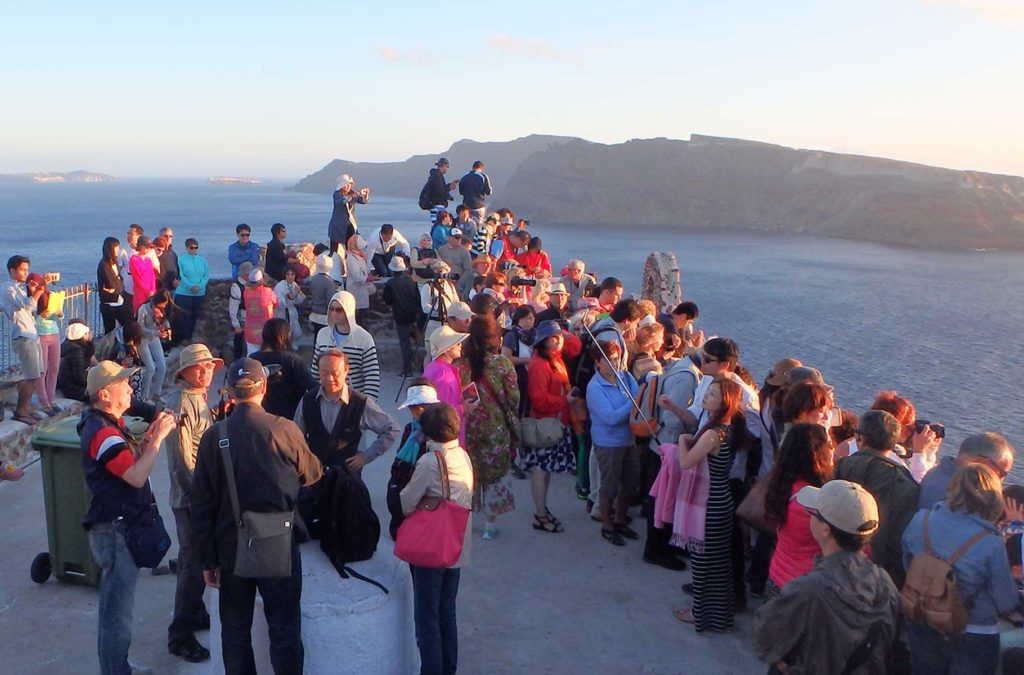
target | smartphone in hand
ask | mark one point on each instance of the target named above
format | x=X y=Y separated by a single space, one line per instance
x=470 y=394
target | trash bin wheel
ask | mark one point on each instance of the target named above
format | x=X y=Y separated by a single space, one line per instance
x=41 y=568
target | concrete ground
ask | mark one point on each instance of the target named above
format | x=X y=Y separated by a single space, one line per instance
x=529 y=602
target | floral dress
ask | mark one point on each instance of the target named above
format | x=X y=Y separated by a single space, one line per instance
x=489 y=438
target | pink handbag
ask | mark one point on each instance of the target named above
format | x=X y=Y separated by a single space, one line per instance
x=434 y=534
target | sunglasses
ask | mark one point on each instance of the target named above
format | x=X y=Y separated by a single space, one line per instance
x=244 y=234
x=193 y=248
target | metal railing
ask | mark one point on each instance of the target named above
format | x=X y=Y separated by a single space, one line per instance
x=80 y=302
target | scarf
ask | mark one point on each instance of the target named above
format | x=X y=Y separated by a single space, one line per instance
x=410 y=452
x=691 y=504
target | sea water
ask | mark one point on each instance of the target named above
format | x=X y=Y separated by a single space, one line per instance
x=943 y=328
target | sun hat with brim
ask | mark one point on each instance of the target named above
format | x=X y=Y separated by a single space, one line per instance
x=545 y=330
x=423 y=394
x=397 y=264
x=844 y=505
x=193 y=355
x=780 y=372
x=77 y=331
x=558 y=288
x=805 y=374
x=256 y=276
x=105 y=373
x=461 y=311
x=443 y=339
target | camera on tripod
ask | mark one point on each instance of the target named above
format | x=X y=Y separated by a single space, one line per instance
x=429 y=273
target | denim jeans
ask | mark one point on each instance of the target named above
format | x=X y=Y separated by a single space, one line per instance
x=189 y=610
x=437 y=635
x=281 y=606
x=117 y=598
x=191 y=304
x=965 y=654
x=154 y=368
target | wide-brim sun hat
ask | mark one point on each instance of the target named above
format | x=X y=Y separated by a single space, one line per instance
x=443 y=339
x=423 y=394
x=397 y=264
x=545 y=330
x=193 y=355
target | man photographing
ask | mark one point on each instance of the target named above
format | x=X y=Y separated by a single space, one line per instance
x=343 y=219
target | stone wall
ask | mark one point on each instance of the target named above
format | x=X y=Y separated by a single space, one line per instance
x=661 y=282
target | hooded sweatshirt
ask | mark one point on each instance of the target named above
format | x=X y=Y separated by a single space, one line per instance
x=358 y=346
x=822 y=617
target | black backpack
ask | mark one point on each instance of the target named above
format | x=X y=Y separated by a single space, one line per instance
x=349 y=527
x=425 y=196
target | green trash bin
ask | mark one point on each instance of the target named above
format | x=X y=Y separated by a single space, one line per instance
x=67 y=499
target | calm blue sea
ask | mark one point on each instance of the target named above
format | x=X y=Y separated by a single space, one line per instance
x=942 y=328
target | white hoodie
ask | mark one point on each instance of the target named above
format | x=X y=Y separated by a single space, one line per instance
x=358 y=346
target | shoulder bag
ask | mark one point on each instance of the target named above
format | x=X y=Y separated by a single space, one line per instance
x=264 y=548
x=146 y=537
x=752 y=509
x=434 y=534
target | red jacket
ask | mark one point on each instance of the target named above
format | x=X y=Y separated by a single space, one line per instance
x=535 y=262
x=548 y=382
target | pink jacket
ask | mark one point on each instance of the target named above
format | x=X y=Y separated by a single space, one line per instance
x=144 y=280
x=794 y=554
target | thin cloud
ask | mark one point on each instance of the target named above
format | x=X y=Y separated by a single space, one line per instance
x=532 y=49
x=418 y=57
x=1009 y=13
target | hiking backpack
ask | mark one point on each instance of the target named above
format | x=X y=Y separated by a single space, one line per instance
x=929 y=594
x=425 y=196
x=647 y=425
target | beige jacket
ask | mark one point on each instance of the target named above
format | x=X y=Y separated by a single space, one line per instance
x=426 y=482
x=182 y=445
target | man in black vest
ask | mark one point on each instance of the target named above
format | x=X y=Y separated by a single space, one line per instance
x=333 y=418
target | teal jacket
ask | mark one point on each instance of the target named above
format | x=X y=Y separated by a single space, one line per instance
x=194 y=272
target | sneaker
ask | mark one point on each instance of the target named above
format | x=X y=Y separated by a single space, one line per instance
x=490 y=532
x=140 y=670
x=190 y=650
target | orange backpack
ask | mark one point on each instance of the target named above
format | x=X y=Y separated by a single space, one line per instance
x=646 y=425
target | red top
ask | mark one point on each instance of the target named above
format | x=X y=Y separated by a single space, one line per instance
x=794 y=554
x=548 y=382
x=534 y=261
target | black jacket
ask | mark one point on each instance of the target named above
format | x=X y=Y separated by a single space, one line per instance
x=74 y=364
x=277 y=260
x=402 y=294
x=107 y=276
x=475 y=188
x=287 y=384
x=437 y=189
x=271 y=461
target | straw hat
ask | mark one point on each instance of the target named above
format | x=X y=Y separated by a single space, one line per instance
x=424 y=394
x=193 y=355
x=443 y=339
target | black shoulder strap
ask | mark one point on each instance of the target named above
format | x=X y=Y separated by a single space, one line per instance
x=229 y=470
x=345 y=572
x=862 y=651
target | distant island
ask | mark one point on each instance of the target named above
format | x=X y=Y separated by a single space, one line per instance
x=55 y=177
x=232 y=180
x=711 y=182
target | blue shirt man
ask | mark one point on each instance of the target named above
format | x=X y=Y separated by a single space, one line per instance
x=243 y=250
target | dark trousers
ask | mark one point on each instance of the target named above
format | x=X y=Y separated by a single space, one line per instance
x=241 y=351
x=281 y=600
x=656 y=544
x=115 y=315
x=380 y=263
x=189 y=610
x=191 y=305
x=964 y=654
x=739 y=491
x=760 y=561
x=405 y=337
x=437 y=635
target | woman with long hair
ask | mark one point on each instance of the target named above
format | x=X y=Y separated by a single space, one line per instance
x=492 y=427
x=144 y=274
x=974 y=504
x=289 y=378
x=805 y=458
x=153 y=320
x=48 y=329
x=110 y=286
x=517 y=347
x=550 y=396
x=716 y=443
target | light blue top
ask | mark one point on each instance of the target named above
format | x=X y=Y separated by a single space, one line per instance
x=20 y=310
x=609 y=410
x=982 y=574
x=238 y=255
x=47 y=325
x=194 y=271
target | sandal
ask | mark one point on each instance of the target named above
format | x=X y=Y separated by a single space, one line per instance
x=25 y=419
x=552 y=518
x=546 y=524
x=684 y=616
x=613 y=537
x=626 y=531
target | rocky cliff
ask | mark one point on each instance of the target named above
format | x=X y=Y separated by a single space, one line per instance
x=720 y=183
x=405 y=179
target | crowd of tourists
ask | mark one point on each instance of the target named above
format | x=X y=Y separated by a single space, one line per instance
x=871 y=552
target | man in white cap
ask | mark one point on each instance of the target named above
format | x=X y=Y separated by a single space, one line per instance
x=343 y=219
x=188 y=403
x=117 y=473
x=841 y=616
x=402 y=295
x=558 y=305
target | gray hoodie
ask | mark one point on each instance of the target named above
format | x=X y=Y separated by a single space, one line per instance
x=821 y=618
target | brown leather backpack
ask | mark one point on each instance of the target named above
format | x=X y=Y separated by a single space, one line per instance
x=929 y=594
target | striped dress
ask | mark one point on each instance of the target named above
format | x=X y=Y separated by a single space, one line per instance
x=713 y=601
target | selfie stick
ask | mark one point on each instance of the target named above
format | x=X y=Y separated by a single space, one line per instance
x=618 y=375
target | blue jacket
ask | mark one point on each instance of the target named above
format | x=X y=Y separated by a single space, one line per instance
x=982 y=573
x=609 y=411
x=933 y=485
x=475 y=187
x=194 y=271
x=238 y=255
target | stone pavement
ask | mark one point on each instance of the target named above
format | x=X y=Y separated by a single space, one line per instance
x=529 y=602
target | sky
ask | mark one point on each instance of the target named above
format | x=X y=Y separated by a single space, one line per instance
x=271 y=89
